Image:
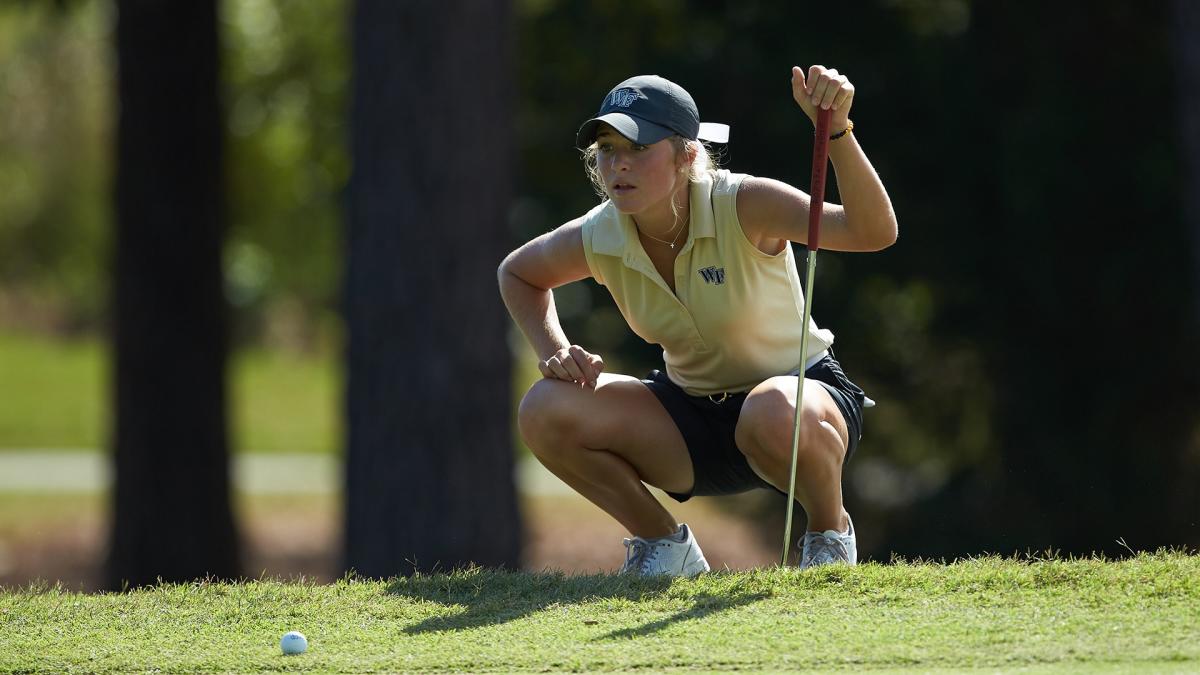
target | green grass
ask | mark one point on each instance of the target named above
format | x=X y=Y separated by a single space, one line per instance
x=285 y=403
x=1000 y=614
x=55 y=392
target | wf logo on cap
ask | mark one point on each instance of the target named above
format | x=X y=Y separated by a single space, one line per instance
x=623 y=98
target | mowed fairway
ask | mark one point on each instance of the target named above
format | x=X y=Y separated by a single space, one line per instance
x=55 y=396
x=1000 y=614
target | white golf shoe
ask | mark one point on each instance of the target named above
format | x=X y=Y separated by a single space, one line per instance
x=830 y=546
x=676 y=555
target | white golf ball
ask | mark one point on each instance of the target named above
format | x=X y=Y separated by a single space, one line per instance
x=293 y=642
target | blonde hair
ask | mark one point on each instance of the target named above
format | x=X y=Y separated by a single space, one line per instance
x=703 y=164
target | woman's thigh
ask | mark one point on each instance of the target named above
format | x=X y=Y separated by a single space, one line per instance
x=620 y=416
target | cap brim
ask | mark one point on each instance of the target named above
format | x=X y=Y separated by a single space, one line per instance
x=635 y=129
x=714 y=132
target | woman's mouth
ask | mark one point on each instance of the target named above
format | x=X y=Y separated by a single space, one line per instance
x=622 y=188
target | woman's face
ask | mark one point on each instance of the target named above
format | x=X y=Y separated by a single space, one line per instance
x=638 y=177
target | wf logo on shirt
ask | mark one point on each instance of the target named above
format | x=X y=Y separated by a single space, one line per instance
x=713 y=275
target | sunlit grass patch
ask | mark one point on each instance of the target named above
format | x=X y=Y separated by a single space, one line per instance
x=994 y=613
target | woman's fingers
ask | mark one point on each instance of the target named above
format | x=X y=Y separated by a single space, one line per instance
x=844 y=94
x=597 y=364
x=814 y=82
x=587 y=369
x=573 y=364
x=572 y=367
x=554 y=369
x=823 y=88
x=800 y=90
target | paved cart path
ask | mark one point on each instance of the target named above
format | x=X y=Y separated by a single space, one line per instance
x=82 y=470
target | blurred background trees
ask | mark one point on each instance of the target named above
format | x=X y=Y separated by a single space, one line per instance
x=1185 y=27
x=1031 y=339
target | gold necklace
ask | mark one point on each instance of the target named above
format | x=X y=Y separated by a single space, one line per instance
x=664 y=241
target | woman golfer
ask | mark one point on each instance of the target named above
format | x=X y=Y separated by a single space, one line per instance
x=698 y=261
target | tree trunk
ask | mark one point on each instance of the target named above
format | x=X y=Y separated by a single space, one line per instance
x=430 y=461
x=172 y=516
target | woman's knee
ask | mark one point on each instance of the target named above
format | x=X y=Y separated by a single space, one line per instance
x=766 y=428
x=544 y=416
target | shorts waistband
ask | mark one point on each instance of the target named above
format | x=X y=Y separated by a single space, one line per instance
x=812 y=361
x=816 y=358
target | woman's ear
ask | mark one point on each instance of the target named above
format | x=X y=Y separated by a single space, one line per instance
x=688 y=156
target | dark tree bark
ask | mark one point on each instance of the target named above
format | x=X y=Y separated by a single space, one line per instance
x=429 y=464
x=172 y=516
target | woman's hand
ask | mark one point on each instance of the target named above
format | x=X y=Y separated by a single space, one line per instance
x=823 y=88
x=573 y=364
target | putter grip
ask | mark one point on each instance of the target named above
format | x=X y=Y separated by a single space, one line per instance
x=820 y=162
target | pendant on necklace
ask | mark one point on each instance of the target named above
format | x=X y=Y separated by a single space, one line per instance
x=672 y=245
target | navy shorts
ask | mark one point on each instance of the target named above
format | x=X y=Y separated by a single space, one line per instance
x=707 y=428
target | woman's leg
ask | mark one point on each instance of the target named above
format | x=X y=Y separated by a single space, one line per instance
x=605 y=443
x=764 y=435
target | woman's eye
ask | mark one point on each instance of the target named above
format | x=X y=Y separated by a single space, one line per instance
x=604 y=147
x=638 y=147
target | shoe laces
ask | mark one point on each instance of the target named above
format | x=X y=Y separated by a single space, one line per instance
x=822 y=548
x=639 y=553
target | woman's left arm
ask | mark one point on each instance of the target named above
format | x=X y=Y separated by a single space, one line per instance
x=771 y=211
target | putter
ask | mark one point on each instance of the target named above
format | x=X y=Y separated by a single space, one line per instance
x=820 y=160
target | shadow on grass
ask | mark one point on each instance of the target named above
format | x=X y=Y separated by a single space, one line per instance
x=492 y=597
x=705 y=604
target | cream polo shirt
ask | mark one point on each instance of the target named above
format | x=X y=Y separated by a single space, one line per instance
x=734 y=318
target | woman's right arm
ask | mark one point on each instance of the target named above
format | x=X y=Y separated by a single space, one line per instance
x=527 y=277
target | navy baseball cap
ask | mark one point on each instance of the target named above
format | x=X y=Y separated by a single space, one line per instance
x=648 y=108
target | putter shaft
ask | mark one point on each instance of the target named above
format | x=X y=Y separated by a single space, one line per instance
x=816 y=205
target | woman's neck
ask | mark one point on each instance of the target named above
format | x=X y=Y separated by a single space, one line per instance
x=661 y=220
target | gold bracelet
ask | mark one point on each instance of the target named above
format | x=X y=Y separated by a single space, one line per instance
x=843 y=132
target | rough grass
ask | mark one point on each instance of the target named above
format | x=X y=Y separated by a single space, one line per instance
x=1142 y=613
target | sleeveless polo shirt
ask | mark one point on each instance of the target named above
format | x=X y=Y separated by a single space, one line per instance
x=734 y=318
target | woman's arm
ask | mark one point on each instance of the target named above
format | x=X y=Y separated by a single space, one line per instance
x=771 y=212
x=527 y=277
